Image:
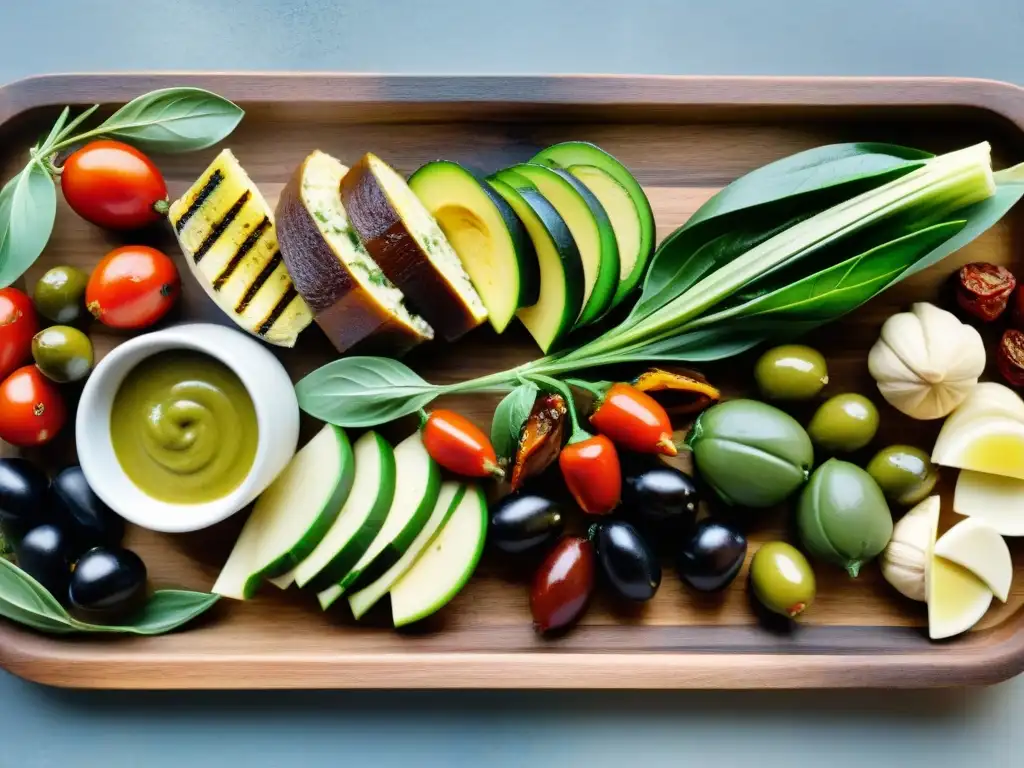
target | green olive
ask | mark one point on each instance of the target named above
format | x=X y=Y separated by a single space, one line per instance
x=60 y=295
x=791 y=372
x=844 y=423
x=62 y=353
x=905 y=474
x=782 y=578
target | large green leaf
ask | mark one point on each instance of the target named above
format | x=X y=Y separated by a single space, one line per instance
x=509 y=418
x=774 y=198
x=28 y=207
x=173 y=120
x=842 y=288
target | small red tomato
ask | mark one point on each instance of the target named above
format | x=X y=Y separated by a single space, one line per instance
x=31 y=408
x=592 y=473
x=132 y=287
x=114 y=185
x=634 y=420
x=18 y=324
x=561 y=589
x=458 y=445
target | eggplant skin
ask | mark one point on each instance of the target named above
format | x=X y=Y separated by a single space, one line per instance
x=397 y=251
x=346 y=312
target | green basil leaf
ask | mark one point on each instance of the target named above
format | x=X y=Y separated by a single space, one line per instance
x=81 y=118
x=26 y=601
x=509 y=418
x=364 y=391
x=173 y=120
x=774 y=198
x=18 y=588
x=28 y=207
x=167 y=609
x=57 y=128
x=38 y=621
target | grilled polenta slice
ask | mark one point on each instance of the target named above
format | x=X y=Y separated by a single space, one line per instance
x=226 y=229
x=354 y=300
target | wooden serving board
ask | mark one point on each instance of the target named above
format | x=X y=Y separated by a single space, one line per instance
x=684 y=138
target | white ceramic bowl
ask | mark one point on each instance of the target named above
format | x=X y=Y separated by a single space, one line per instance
x=277 y=418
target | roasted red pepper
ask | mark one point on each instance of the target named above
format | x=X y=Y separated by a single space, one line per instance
x=679 y=392
x=1010 y=357
x=458 y=445
x=592 y=473
x=984 y=289
x=634 y=420
x=542 y=438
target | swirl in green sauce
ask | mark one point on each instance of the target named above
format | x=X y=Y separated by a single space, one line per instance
x=184 y=428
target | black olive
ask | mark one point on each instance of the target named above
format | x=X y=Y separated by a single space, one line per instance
x=662 y=499
x=108 y=584
x=79 y=511
x=45 y=553
x=22 y=495
x=522 y=522
x=627 y=563
x=710 y=559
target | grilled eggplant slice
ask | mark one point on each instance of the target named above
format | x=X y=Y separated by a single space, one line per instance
x=408 y=244
x=226 y=229
x=354 y=301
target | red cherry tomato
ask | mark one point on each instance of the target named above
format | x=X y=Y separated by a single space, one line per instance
x=132 y=287
x=592 y=473
x=458 y=445
x=18 y=324
x=562 y=586
x=634 y=420
x=32 y=410
x=114 y=185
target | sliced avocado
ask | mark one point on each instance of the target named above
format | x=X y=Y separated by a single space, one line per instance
x=625 y=221
x=570 y=154
x=485 y=232
x=591 y=229
x=561 y=269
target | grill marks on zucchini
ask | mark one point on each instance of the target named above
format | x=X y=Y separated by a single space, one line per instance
x=290 y=295
x=220 y=227
x=256 y=284
x=208 y=188
x=246 y=246
x=226 y=229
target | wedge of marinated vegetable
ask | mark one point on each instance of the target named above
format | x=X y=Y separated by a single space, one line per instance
x=445 y=565
x=291 y=516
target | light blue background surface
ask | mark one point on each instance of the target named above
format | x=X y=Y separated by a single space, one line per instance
x=42 y=727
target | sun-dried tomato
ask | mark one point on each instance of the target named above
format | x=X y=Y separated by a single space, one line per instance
x=1010 y=357
x=542 y=438
x=679 y=392
x=984 y=289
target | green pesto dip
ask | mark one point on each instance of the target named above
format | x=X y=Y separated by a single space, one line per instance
x=183 y=427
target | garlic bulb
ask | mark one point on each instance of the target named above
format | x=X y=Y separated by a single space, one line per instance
x=926 y=361
x=905 y=559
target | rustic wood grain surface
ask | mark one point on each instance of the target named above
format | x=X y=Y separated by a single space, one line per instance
x=684 y=138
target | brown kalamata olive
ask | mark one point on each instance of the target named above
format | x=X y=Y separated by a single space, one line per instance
x=562 y=586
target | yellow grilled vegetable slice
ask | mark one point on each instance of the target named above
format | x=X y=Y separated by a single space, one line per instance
x=226 y=229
